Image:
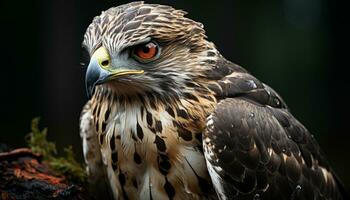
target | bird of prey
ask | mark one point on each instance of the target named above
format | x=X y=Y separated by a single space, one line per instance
x=170 y=118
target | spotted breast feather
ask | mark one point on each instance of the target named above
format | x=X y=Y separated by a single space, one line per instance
x=149 y=151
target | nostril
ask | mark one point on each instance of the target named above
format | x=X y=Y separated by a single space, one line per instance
x=105 y=63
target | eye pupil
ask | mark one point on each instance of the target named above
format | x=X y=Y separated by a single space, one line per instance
x=145 y=49
x=146 y=52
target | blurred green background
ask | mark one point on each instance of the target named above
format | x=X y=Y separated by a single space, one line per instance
x=289 y=44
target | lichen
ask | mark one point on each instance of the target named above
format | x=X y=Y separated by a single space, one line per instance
x=65 y=165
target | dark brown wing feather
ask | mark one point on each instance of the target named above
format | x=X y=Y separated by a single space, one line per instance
x=255 y=148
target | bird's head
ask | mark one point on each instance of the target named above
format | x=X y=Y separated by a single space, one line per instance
x=146 y=48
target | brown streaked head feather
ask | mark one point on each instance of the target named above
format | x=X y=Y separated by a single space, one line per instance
x=185 y=55
x=126 y=25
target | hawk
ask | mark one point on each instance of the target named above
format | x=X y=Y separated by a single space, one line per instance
x=170 y=118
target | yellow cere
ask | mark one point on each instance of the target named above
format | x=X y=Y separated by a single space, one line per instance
x=102 y=57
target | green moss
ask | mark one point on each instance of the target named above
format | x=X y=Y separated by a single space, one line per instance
x=63 y=165
x=69 y=167
x=37 y=141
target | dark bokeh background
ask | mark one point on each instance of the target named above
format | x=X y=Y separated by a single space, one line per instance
x=290 y=44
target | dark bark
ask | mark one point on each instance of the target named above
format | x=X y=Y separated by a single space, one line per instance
x=23 y=175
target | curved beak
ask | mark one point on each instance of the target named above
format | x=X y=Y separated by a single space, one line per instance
x=100 y=70
x=94 y=76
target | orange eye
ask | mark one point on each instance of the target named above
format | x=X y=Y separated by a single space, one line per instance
x=146 y=51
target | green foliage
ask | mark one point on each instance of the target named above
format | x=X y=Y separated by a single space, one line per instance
x=69 y=166
x=66 y=165
x=37 y=141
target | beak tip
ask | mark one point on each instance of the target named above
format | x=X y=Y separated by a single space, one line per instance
x=90 y=90
x=92 y=76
